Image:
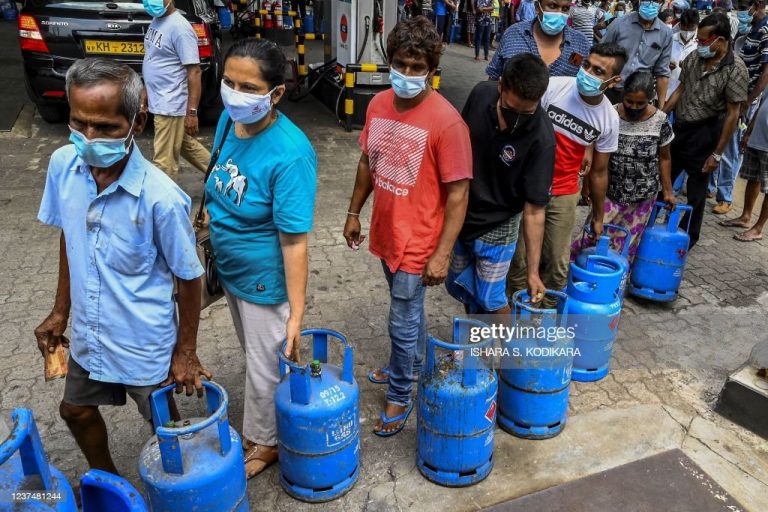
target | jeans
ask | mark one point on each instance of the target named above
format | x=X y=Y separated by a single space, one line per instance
x=440 y=21
x=482 y=34
x=725 y=175
x=407 y=333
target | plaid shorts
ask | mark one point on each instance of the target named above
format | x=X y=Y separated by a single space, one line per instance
x=479 y=268
x=755 y=167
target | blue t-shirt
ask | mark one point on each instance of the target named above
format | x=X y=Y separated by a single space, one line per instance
x=169 y=45
x=259 y=187
x=440 y=8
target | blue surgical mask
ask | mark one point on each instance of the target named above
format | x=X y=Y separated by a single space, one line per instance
x=589 y=85
x=552 y=23
x=155 y=8
x=745 y=21
x=706 y=52
x=649 y=10
x=407 y=87
x=244 y=107
x=620 y=14
x=101 y=153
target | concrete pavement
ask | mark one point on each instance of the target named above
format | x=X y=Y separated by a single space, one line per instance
x=669 y=363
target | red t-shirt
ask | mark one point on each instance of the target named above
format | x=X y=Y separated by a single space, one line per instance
x=411 y=155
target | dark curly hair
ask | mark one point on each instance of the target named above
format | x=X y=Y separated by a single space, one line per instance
x=416 y=37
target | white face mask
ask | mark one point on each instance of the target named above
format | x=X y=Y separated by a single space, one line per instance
x=687 y=35
x=246 y=108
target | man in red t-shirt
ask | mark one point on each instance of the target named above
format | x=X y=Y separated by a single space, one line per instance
x=417 y=161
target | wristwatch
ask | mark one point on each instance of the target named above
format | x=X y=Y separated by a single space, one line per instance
x=193 y=112
x=717 y=157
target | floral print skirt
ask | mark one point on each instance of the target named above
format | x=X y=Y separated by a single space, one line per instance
x=632 y=216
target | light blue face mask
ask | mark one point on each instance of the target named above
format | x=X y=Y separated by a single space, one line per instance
x=649 y=10
x=706 y=52
x=407 y=87
x=101 y=153
x=155 y=8
x=552 y=23
x=745 y=21
x=589 y=85
x=620 y=14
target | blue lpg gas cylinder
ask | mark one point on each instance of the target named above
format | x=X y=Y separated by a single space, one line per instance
x=197 y=466
x=457 y=410
x=318 y=424
x=535 y=373
x=101 y=491
x=603 y=248
x=594 y=308
x=24 y=469
x=661 y=256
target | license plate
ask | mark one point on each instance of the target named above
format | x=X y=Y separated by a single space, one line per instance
x=114 y=47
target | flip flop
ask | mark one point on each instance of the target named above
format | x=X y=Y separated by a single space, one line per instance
x=385 y=371
x=742 y=238
x=731 y=223
x=382 y=371
x=402 y=418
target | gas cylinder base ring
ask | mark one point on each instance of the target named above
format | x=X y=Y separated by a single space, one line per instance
x=591 y=375
x=453 y=479
x=647 y=293
x=320 y=495
x=528 y=432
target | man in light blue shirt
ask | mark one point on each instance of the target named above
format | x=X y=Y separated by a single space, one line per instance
x=173 y=78
x=125 y=237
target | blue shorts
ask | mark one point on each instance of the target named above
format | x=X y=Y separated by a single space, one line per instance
x=478 y=273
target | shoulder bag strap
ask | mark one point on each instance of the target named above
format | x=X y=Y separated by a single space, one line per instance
x=211 y=164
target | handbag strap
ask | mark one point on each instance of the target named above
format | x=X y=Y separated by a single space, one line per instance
x=211 y=164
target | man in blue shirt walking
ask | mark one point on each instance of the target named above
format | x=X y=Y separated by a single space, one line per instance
x=125 y=237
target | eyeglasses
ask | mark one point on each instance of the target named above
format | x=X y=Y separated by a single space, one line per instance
x=707 y=42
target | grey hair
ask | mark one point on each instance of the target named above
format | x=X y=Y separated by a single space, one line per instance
x=94 y=71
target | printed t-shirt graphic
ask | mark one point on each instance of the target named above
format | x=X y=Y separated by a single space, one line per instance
x=410 y=155
x=577 y=125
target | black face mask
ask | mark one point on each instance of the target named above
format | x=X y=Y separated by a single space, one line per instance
x=514 y=120
x=634 y=114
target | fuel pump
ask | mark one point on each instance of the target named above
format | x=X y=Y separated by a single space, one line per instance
x=355 y=32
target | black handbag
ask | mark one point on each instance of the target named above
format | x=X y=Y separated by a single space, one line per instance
x=212 y=289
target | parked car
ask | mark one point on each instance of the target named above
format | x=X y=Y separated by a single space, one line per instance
x=54 y=33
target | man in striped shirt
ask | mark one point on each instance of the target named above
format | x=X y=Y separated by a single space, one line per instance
x=584 y=17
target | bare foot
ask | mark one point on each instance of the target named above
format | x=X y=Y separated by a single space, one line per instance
x=751 y=235
x=738 y=222
x=390 y=411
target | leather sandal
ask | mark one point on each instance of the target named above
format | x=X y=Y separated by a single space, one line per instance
x=264 y=454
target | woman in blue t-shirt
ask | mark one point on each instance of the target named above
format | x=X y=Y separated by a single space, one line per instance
x=260 y=197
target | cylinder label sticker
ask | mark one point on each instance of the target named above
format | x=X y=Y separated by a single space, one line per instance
x=490 y=414
x=339 y=430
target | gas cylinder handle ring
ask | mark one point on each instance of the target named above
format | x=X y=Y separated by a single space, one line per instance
x=22 y=419
x=218 y=414
x=520 y=296
x=284 y=360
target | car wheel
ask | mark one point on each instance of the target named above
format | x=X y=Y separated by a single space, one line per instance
x=53 y=113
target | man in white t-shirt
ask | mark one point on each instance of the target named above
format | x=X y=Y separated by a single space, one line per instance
x=172 y=76
x=683 y=43
x=582 y=116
